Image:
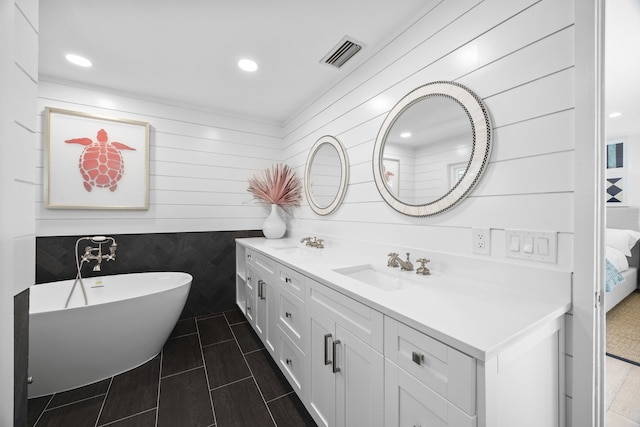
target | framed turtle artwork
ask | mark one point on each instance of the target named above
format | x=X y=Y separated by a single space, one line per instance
x=95 y=162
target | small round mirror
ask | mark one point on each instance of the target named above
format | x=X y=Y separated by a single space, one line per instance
x=326 y=175
x=432 y=149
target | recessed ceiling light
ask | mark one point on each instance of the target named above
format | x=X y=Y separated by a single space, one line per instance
x=614 y=115
x=247 y=65
x=405 y=134
x=78 y=60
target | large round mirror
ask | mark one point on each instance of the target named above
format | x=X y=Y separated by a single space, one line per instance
x=432 y=149
x=326 y=175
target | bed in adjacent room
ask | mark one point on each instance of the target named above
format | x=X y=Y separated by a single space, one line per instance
x=622 y=252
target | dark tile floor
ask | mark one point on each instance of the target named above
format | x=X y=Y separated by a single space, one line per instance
x=213 y=371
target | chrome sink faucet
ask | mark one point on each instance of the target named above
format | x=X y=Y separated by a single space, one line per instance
x=395 y=261
x=313 y=242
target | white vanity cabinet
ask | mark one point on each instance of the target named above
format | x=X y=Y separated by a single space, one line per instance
x=262 y=298
x=353 y=365
x=346 y=368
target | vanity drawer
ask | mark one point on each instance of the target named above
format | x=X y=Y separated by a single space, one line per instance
x=265 y=266
x=363 y=322
x=291 y=361
x=291 y=317
x=291 y=280
x=445 y=370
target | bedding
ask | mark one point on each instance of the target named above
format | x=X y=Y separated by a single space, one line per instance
x=621 y=272
x=612 y=276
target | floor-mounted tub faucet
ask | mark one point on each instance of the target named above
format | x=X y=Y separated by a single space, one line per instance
x=91 y=253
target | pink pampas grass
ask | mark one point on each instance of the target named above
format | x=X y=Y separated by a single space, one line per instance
x=278 y=185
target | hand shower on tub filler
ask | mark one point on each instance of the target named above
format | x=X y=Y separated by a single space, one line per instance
x=92 y=253
x=99 y=256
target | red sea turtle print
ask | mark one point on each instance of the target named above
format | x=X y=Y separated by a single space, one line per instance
x=101 y=163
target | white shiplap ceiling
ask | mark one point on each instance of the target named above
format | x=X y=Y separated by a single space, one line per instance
x=187 y=51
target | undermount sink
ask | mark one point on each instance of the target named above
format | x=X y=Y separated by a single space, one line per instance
x=385 y=278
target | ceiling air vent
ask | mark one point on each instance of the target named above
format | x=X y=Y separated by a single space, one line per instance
x=342 y=52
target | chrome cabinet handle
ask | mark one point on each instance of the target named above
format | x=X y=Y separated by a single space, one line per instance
x=288 y=361
x=326 y=341
x=417 y=358
x=287 y=314
x=261 y=294
x=287 y=280
x=248 y=256
x=334 y=364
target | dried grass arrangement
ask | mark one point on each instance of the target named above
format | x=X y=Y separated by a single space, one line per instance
x=278 y=185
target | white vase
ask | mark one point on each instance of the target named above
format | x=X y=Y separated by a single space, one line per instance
x=274 y=226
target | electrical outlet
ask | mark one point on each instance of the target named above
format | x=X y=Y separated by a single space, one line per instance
x=481 y=241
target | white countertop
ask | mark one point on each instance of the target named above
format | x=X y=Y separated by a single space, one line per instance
x=470 y=311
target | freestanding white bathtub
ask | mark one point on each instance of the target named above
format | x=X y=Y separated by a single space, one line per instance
x=127 y=321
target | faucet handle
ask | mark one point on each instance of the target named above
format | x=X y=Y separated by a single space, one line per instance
x=423 y=270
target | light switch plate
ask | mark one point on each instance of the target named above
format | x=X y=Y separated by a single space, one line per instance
x=533 y=245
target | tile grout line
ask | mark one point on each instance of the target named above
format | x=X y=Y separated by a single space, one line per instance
x=104 y=401
x=280 y=397
x=159 y=383
x=126 y=418
x=44 y=410
x=232 y=382
x=253 y=376
x=206 y=373
x=216 y=343
x=182 y=372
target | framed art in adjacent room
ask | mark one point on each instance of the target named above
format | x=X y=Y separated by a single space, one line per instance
x=616 y=173
x=95 y=162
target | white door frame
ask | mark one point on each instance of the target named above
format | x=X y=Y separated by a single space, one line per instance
x=588 y=348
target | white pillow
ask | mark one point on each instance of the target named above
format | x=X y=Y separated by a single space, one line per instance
x=622 y=240
x=616 y=258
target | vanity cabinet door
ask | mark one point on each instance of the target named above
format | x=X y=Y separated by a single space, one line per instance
x=266 y=316
x=359 y=382
x=409 y=402
x=345 y=377
x=321 y=384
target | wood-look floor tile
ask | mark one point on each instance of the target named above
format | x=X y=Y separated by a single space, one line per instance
x=247 y=338
x=289 y=411
x=270 y=380
x=185 y=401
x=132 y=392
x=234 y=316
x=80 y=393
x=239 y=404
x=224 y=363
x=79 y=414
x=184 y=327
x=146 y=419
x=181 y=354
x=35 y=407
x=214 y=330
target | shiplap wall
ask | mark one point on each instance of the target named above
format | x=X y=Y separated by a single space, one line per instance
x=199 y=166
x=18 y=83
x=518 y=57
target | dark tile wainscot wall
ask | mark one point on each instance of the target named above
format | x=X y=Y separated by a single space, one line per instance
x=208 y=256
